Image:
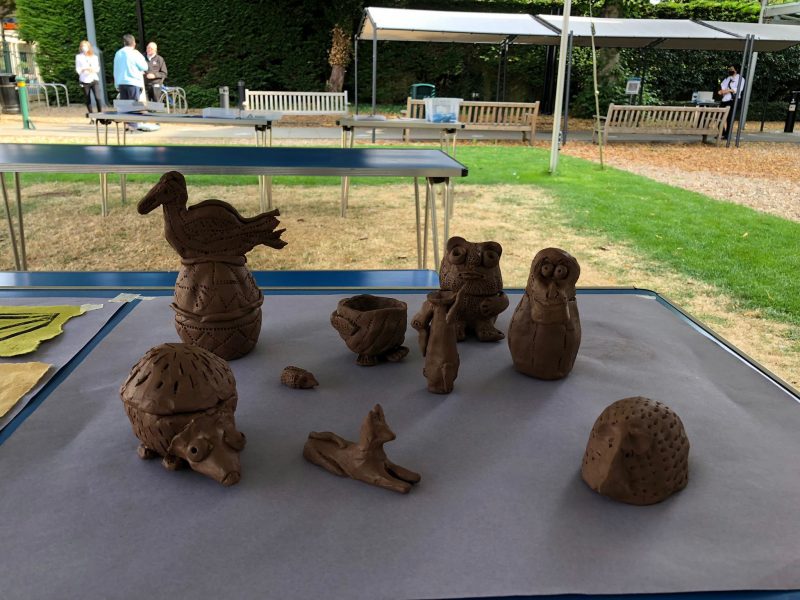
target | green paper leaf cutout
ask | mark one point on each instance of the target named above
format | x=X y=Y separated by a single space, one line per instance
x=23 y=328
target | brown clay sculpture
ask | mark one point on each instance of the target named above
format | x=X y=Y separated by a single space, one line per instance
x=545 y=330
x=438 y=339
x=180 y=400
x=475 y=269
x=373 y=327
x=364 y=460
x=637 y=452
x=217 y=303
x=295 y=377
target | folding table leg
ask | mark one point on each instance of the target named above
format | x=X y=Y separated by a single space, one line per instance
x=448 y=204
x=425 y=226
x=104 y=194
x=18 y=193
x=12 y=236
x=416 y=203
x=434 y=225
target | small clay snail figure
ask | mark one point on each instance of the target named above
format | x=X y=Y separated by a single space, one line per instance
x=473 y=268
x=364 y=460
x=180 y=400
x=637 y=452
x=217 y=302
x=545 y=331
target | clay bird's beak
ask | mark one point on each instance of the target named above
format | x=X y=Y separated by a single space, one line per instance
x=171 y=184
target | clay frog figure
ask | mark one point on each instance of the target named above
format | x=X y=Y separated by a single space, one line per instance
x=217 y=302
x=475 y=269
x=438 y=340
x=545 y=331
x=637 y=453
x=364 y=460
x=180 y=400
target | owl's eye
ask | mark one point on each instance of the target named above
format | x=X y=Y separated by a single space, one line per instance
x=561 y=272
x=457 y=255
x=490 y=258
x=198 y=449
x=547 y=270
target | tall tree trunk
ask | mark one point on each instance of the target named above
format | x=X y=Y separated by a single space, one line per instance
x=608 y=58
x=336 y=81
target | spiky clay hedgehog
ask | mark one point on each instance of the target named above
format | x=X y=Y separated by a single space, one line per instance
x=637 y=453
x=180 y=400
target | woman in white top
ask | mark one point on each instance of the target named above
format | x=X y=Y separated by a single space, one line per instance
x=87 y=65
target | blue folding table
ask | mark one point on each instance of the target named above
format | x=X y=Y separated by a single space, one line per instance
x=435 y=166
x=500 y=511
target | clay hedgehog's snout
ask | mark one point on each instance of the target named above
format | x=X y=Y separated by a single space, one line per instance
x=211 y=446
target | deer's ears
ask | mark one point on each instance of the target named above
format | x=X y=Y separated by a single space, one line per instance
x=376 y=414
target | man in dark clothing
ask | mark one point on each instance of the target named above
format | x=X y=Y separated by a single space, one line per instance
x=156 y=73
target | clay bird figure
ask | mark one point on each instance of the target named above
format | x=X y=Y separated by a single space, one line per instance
x=545 y=331
x=210 y=228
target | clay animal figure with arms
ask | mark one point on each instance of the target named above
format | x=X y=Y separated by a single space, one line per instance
x=473 y=268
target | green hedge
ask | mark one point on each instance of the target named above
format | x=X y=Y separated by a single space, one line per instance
x=283 y=44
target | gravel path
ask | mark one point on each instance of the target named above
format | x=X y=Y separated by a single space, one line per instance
x=777 y=197
x=771 y=185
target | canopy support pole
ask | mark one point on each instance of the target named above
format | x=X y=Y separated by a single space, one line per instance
x=752 y=69
x=562 y=64
x=748 y=53
x=566 y=90
x=355 y=60
x=374 y=70
x=549 y=71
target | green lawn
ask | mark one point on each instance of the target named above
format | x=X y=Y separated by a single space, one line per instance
x=752 y=256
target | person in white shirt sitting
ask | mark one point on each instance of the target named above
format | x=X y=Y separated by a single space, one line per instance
x=87 y=66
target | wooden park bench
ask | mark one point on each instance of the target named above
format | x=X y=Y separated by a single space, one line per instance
x=487 y=116
x=663 y=120
x=298 y=103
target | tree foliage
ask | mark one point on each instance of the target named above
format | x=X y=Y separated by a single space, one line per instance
x=285 y=45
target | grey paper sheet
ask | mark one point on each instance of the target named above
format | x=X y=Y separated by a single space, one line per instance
x=501 y=509
x=60 y=350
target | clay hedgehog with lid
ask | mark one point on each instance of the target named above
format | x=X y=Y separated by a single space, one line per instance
x=217 y=302
x=637 y=452
x=180 y=400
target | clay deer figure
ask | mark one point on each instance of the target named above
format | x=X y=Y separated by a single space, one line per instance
x=438 y=339
x=364 y=460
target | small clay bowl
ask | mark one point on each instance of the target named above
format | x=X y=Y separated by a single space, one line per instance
x=374 y=327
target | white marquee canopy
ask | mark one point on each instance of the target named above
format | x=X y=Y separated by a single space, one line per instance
x=397 y=24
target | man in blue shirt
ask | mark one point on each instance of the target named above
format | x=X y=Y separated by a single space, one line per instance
x=129 y=68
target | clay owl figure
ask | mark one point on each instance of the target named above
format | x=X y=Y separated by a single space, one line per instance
x=472 y=270
x=545 y=331
x=637 y=453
